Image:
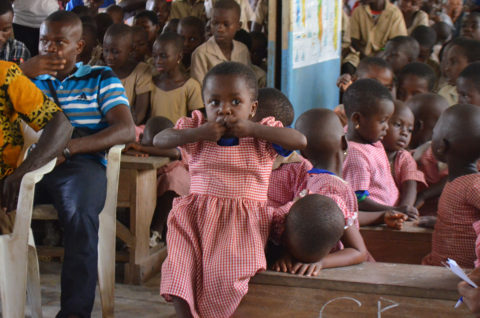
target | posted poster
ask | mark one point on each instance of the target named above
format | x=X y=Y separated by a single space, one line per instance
x=316 y=31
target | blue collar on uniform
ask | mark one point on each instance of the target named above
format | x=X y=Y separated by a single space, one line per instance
x=319 y=171
x=82 y=70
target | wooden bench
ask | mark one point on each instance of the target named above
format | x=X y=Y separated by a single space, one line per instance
x=407 y=246
x=365 y=290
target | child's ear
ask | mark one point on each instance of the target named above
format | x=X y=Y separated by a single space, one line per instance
x=355 y=118
x=80 y=46
x=441 y=150
x=344 y=143
x=253 y=109
x=239 y=25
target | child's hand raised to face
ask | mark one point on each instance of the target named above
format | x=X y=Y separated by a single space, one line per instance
x=212 y=131
x=239 y=127
x=394 y=219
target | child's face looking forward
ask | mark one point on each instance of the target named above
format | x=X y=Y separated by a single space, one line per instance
x=228 y=95
x=410 y=86
x=6 y=28
x=117 y=50
x=400 y=129
x=165 y=56
x=192 y=38
x=396 y=57
x=148 y=26
x=471 y=27
x=140 y=44
x=373 y=127
x=467 y=92
x=225 y=23
x=453 y=63
x=381 y=74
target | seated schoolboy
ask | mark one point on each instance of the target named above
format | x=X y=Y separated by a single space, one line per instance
x=92 y=52
x=308 y=233
x=471 y=26
x=369 y=67
x=103 y=22
x=174 y=93
x=161 y=8
x=136 y=76
x=245 y=38
x=148 y=20
x=171 y=26
x=288 y=173
x=221 y=47
x=444 y=35
x=369 y=106
x=187 y=8
x=400 y=51
x=11 y=50
x=116 y=13
x=426 y=38
x=468 y=85
x=456 y=141
x=94 y=101
x=415 y=78
x=372 y=24
x=412 y=14
x=456 y=56
x=142 y=51
x=404 y=168
x=192 y=30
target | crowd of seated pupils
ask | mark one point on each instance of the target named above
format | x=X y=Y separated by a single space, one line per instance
x=402 y=145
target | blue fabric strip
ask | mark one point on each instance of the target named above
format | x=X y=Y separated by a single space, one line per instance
x=281 y=151
x=319 y=171
x=228 y=142
x=362 y=195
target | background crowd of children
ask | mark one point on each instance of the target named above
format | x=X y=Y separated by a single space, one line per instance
x=402 y=144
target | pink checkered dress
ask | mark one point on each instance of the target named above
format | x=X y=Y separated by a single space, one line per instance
x=458 y=209
x=476 y=227
x=216 y=235
x=405 y=169
x=366 y=167
x=433 y=170
x=288 y=179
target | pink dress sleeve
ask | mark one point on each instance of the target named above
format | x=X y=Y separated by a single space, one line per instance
x=271 y=122
x=356 y=169
x=195 y=121
x=473 y=198
x=406 y=169
x=429 y=166
x=476 y=227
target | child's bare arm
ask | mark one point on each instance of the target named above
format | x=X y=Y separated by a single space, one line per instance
x=172 y=153
x=368 y=205
x=355 y=251
x=431 y=192
x=408 y=193
x=139 y=111
x=391 y=218
x=171 y=138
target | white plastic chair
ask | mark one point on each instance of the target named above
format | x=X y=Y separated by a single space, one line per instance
x=15 y=252
x=106 y=234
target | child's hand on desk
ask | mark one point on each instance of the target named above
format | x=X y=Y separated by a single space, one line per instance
x=394 y=219
x=135 y=153
x=471 y=296
x=410 y=211
x=427 y=221
x=287 y=264
x=132 y=146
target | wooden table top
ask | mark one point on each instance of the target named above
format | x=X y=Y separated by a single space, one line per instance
x=143 y=163
x=380 y=278
x=409 y=227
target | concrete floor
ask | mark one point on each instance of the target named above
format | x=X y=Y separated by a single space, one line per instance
x=130 y=301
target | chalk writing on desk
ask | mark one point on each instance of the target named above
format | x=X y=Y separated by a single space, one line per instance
x=359 y=303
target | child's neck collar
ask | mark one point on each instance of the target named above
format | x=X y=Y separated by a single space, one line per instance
x=458 y=168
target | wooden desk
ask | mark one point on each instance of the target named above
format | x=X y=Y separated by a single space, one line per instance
x=407 y=246
x=365 y=290
x=138 y=191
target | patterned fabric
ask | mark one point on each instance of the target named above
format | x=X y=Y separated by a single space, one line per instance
x=19 y=99
x=476 y=228
x=433 y=170
x=86 y=96
x=14 y=51
x=366 y=167
x=216 y=234
x=288 y=179
x=405 y=169
x=458 y=209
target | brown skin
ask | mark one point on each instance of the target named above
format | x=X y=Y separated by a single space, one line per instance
x=161 y=8
x=409 y=8
x=468 y=92
x=142 y=49
x=410 y=86
x=192 y=38
x=383 y=75
x=6 y=29
x=453 y=63
x=471 y=27
x=149 y=27
x=471 y=295
x=65 y=39
x=167 y=58
x=225 y=23
x=396 y=56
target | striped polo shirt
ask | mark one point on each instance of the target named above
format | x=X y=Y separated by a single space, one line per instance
x=86 y=95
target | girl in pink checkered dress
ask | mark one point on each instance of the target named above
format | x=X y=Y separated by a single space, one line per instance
x=456 y=141
x=369 y=106
x=216 y=235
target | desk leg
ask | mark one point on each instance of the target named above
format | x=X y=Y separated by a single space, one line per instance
x=143 y=198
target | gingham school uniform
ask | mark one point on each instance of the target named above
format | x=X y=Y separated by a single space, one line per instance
x=288 y=178
x=476 y=228
x=405 y=169
x=217 y=233
x=433 y=170
x=366 y=168
x=458 y=209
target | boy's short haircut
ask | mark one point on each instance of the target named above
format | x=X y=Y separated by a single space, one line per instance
x=444 y=31
x=194 y=22
x=228 y=5
x=170 y=37
x=407 y=44
x=313 y=227
x=153 y=126
x=472 y=73
x=115 y=8
x=363 y=96
x=421 y=70
x=64 y=17
x=368 y=62
x=90 y=29
x=470 y=48
x=234 y=68
x=150 y=15
x=119 y=29
x=244 y=37
x=272 y=102
x=425 y=36
x=5 y=6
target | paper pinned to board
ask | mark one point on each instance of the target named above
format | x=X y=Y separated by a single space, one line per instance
x=457 y=270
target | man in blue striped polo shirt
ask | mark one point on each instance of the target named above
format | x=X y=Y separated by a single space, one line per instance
x=95 y=103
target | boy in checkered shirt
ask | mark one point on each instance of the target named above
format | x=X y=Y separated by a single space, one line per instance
x=369 y=106
x=456 y=141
